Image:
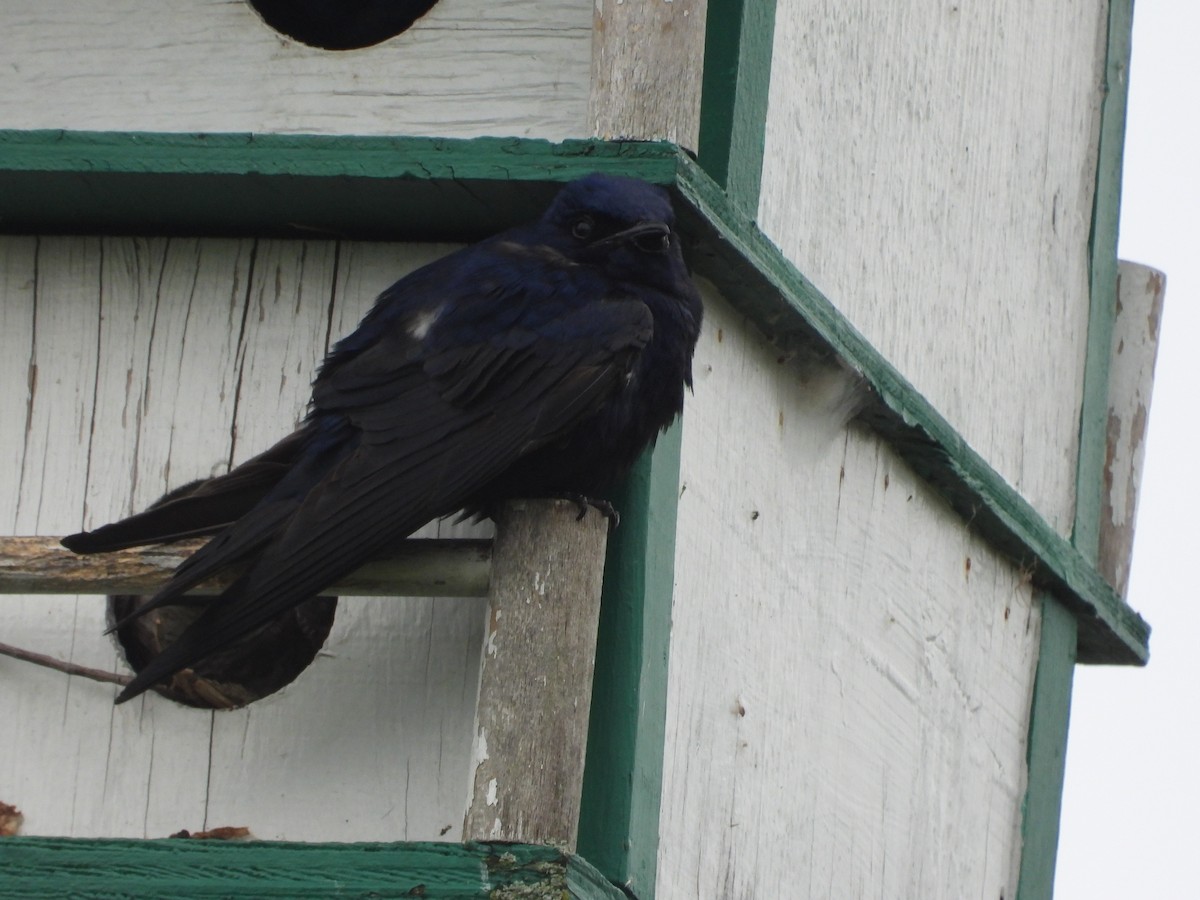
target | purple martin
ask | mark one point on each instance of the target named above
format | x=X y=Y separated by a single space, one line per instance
x=539 y=362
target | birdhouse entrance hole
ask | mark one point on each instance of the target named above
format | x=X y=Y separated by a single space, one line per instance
x=249 y=669
x=341 y=24
x=252 y=668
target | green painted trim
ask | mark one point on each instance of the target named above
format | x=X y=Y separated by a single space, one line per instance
x=56 y=867
x=1102 y=248
x=1061 y=644
x=738 y=48
x=718 y=90
x=1046 y=752
x=427 y=199
x=327 y=156
x=399 y=188
x=622 y=790
x=760 y=281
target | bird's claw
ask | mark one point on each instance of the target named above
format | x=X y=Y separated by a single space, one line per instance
x=603 y=507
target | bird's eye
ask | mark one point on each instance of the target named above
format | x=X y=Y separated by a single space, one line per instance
x=653 y=242
x=582 y=227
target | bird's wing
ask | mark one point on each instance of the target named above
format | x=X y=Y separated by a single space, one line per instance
x=431 y=430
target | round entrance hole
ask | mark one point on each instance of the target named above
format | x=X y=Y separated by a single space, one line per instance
x=255 y=666
x=341 y=24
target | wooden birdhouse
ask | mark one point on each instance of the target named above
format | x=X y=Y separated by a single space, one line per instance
x=839 y=618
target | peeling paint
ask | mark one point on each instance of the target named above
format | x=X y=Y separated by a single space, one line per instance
x=481 y=749
x=489 y=643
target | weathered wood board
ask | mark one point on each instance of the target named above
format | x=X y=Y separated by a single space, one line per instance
x=850 y=669
x=151 y=362
x=931 y=169
x=39 y=564
x=647 y=67
x=1140 y=294
x=535 y=686
x=467 y=68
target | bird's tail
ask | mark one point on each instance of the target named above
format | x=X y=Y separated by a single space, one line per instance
x=198 y=508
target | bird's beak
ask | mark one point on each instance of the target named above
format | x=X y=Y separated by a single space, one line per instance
x=652 y=237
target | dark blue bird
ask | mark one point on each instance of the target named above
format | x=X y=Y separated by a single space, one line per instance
x=539 y=362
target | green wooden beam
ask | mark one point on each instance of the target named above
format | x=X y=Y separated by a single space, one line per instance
x=619 y=819
x=738 y=47
x=180 y=868
x=426 y=189
x=1062 y=637
x=1046 y=751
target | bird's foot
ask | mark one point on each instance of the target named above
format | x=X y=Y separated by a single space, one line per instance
x=603 y=507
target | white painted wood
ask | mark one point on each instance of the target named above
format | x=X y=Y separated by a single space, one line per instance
x=467 y=68
x=60 y=756
x=850 y=670
x=362 y=723
x=930 y=167
x=155 y=369
x=158 y=362
x=1140 y=294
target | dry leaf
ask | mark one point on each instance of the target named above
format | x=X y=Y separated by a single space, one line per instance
x=10 y=820
x=227 y=833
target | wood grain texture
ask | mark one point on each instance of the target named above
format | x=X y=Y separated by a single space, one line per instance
x=535 y=691
x=931 y=169
x=851 y=669
x=466 y=68
x=1140 y=294
x=149 y=363
x=425 y=567
x=647 y=69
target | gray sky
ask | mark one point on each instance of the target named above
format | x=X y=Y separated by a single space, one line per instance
x=1130 y=825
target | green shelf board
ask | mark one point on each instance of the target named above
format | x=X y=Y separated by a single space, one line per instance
x=182 y=868
x=403 y=188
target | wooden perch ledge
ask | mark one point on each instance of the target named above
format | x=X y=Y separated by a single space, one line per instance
x=416 y=568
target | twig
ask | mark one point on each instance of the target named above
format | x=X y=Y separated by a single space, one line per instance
x=40 y=659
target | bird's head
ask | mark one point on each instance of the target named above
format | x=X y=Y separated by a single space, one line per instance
x=625 y=225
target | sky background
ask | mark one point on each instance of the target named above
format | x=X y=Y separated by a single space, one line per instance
x=1131 y=822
